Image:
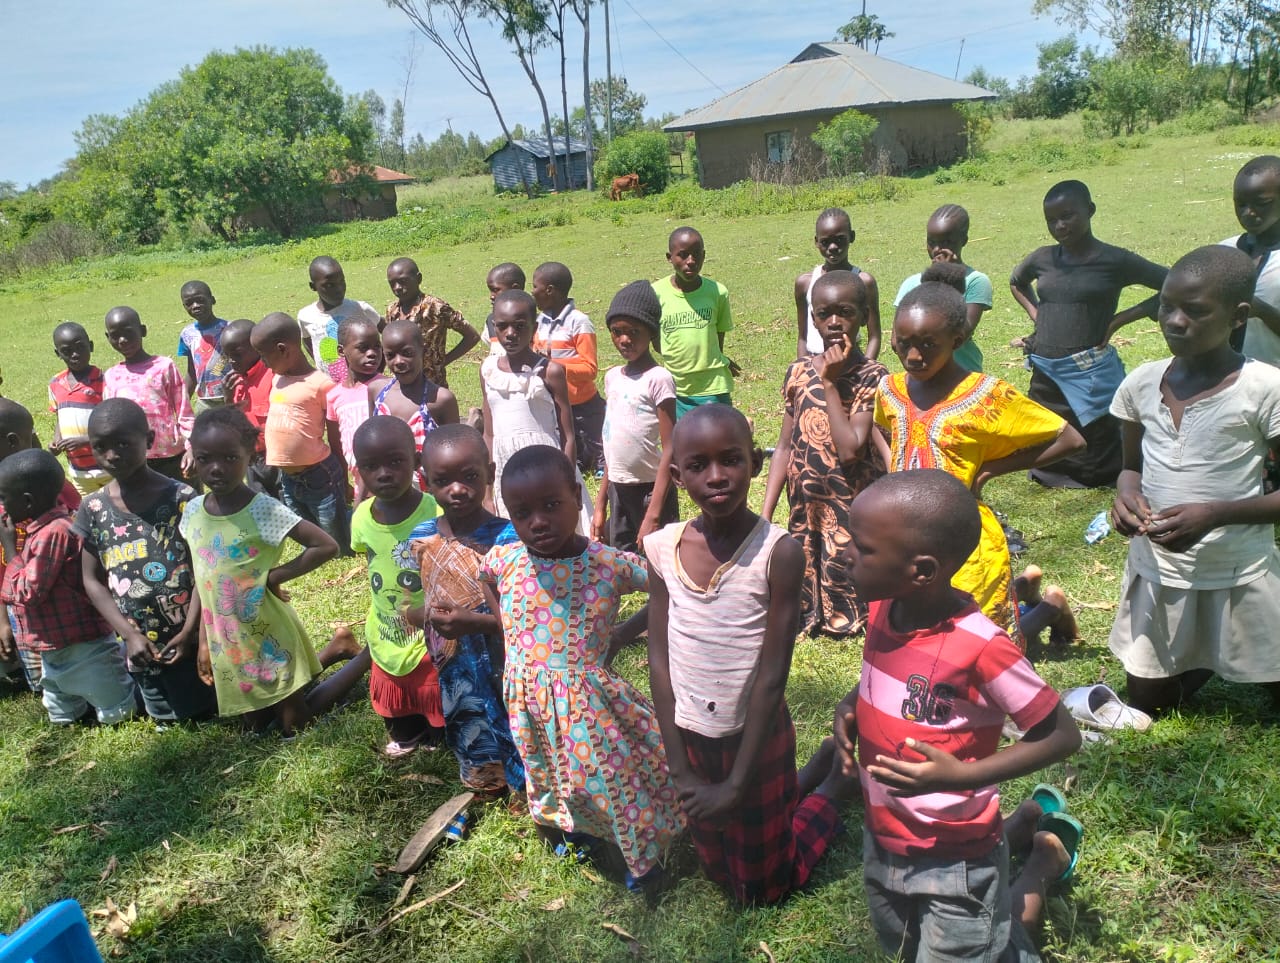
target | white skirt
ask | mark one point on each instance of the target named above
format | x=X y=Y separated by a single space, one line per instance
x=1234 y=632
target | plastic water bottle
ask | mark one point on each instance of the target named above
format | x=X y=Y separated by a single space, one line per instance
x=1098 y=529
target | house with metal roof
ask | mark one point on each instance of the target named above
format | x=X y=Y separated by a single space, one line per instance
x=770 y=120
x=533 y=157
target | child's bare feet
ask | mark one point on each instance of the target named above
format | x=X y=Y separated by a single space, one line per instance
x=813 y=772
x=1063 y=630
x=341 y=647
x=837 y=787
x=1020 y=827
x=1049 y=859
x=1026 y=587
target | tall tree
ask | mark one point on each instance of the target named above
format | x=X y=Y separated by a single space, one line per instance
x=451 y=35
x=863 y=30
x=253 y=130
x=582 y=10
x=628 y=105
x=559 y=10
x=524 y=24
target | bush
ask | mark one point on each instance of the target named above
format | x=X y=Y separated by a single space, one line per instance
x=644 y=153
x=843 y=141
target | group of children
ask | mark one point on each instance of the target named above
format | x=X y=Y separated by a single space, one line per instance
x=496 y=582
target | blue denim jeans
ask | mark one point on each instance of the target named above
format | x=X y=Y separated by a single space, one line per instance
x=319 y=494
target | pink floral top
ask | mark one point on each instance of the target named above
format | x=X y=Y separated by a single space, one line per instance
x=157 y=387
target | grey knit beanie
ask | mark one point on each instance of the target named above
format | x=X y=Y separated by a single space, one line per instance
x=638 y=301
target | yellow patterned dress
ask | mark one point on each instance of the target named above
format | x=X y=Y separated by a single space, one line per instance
x=983 y=419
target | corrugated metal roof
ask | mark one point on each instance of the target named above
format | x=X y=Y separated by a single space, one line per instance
x=829 y=77
x=537 y=146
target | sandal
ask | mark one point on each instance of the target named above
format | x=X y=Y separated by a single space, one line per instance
x=1069 y=832
x=1049 y=798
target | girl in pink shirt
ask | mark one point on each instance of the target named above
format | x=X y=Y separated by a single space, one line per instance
x=154 y=383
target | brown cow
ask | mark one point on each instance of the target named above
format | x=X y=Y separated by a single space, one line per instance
x=628 y=182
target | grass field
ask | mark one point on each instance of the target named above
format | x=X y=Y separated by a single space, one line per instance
x=265 y=851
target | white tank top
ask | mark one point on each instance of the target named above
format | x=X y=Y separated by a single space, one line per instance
x=812 y=339
x=715 y=635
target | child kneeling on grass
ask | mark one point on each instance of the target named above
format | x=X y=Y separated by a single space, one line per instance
x=938 y=678
x=1201 y=589
x=725 y=610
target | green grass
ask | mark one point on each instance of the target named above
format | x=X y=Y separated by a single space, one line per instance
x=236 y=850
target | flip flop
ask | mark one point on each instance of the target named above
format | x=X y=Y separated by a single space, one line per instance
x=1098 y=707
x=432 y=831
x=1049 y=798
x=1070 y=832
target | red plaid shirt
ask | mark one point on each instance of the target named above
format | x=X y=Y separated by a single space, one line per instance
x=44 y=589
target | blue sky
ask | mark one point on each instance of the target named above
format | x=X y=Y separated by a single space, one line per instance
x=67 y=59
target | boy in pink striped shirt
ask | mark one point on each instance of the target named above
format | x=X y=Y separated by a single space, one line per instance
x=938 y=679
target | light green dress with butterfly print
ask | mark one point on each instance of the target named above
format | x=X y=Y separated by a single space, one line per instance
x=258 y=648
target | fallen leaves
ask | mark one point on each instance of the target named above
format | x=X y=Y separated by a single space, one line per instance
x=556 y=905
x=422 y=777
x=112 y=865
x=633 y=945
x=768 y=953
x=86 y=767
x=117 y=921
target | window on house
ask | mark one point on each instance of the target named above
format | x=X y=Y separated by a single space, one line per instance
x=778 y=145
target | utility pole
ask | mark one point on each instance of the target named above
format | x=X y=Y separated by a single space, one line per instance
x=958 y=56
x=608 y=77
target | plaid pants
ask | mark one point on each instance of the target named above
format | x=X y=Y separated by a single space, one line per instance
x=772 y=843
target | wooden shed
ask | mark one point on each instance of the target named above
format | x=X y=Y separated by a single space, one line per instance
x=341 y=203
x=532 y=156
x=770 y=120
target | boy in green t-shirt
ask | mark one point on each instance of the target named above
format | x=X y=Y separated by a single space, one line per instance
x=695 y=317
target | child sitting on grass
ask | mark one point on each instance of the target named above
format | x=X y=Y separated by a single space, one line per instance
x=464 y=636
x=636 y=495
x=724 y=612
x=938 y=679
x=137 y=567
x=154 y=384
x=253 y=648
x=526 y=396
x=320 y=319
x=413 y=397
x=201 y=344
x=248 y=386
x=567 y=336
x=1201 y=592
x=695 y=319
x=976 y=427
x=593 y=755
x=73 y=394
x=1257 y=201
x=403 y=685
x=945 y=236
x=83 y=667
x=833 y=235
x=825 y=455
x=434 y=317
x=351 y=403
x=313 y=479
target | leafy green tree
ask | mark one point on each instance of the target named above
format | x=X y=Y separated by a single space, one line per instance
x=865 y=29
x=844 y=140
x=643 y=152
x=253 y=130
x=1061 y=83
x=980 y=77
x=628 y=105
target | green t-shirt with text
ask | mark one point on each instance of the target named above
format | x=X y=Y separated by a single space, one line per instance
x=691 y=327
